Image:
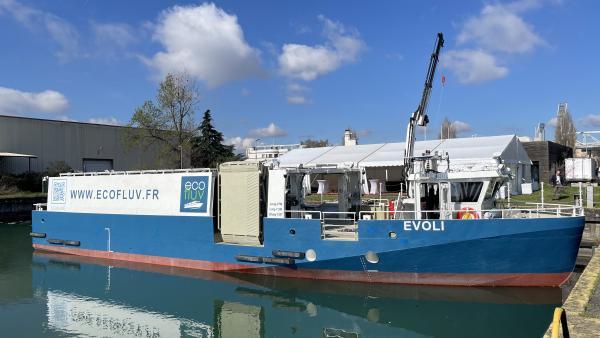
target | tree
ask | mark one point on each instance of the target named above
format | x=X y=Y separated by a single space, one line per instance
x=208 y=150
x=448 y=130
x=169 y=121
x=565 y=132
x=310 y=143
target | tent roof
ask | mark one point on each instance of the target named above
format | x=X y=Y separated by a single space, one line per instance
x=472 y=150
x=302 y=157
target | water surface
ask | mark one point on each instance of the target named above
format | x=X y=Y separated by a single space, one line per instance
x=50 y=295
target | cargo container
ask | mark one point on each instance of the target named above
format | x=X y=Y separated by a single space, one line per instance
x=581 y=170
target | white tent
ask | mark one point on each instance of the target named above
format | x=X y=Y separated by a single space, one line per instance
x=383 y=160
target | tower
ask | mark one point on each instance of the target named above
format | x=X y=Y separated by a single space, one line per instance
x=350 y=138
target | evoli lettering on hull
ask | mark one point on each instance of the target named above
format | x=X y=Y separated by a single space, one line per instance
x=424 y=226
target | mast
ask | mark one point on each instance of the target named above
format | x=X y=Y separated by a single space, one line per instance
x=419 y=117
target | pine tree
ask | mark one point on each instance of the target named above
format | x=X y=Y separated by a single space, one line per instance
x=208 y=150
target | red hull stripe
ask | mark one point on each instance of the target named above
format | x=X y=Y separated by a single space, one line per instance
x=456 y=279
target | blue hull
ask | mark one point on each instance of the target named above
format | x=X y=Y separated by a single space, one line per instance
x=531 y=252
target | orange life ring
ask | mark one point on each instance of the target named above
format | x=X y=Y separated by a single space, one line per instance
x=467 y=213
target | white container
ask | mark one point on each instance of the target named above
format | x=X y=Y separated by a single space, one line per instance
x=526 y=188
x=580 y=170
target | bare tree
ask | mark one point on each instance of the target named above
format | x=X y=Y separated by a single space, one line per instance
x=565 y=132
x=447 y=130
x=169 y=121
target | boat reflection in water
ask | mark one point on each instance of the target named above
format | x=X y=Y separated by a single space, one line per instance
x=100 y=298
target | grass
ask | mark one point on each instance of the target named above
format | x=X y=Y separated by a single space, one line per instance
x=566 y=196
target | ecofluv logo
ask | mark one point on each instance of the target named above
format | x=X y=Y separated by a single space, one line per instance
x=194 y=194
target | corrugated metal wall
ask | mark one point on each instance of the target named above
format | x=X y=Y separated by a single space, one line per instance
x=53 y=141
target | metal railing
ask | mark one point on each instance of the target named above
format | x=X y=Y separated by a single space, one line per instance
x=554 y=210
x=303 y=214
x=557 y=211
x=138 y=172
x=40 y=206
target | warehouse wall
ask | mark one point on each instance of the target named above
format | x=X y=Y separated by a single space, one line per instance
x=71 y=142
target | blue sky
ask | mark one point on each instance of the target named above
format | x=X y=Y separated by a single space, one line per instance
x=283 y=71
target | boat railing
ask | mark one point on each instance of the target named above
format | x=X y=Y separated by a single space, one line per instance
x=473 y=213
x=138 y=172
x=304 y=214
x=335 y=218
x=40 y=206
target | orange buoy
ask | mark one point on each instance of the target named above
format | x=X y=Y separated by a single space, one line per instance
x=467 y=213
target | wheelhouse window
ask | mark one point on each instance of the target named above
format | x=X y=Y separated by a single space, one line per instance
x=465 y=191
x=492 y=189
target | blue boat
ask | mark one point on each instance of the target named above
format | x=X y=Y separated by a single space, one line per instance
x=89 y=297
x=259 y=218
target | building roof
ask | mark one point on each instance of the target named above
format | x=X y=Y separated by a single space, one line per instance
x=2 y=154
x=462 y=151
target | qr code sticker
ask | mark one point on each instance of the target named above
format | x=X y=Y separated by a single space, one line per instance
x=59 y=191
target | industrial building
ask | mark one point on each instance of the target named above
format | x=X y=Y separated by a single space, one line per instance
x=30 y=144
x=268 y=152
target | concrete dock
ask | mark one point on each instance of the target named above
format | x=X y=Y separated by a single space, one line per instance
x=583 y=304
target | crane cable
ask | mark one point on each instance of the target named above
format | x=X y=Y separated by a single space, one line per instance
x=440 y=99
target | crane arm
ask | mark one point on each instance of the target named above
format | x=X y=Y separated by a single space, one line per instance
x=419 y=117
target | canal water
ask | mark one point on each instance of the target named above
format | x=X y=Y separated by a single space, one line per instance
x=49 y=295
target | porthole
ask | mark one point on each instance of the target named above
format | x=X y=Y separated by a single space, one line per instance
x=292 y=231
x=393 y=234
x=311 y=255
x=372 y=257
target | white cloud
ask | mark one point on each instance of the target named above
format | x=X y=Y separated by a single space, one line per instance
x=473 y=66
x=499 y=28
x=63 y=33
x=553 y=122
x=394 y=56
x=364 y=132
x=206 y=42
x=487 y=38
x=111 y=37
x=309 y=62
x=13 y=101
x=461 y=127
x=296 y=94
x=105 y=120
x=297 y=99
x=592 y=121
x=64 y=118
x=271 y=130
x=524 y=5
x=239 y=143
